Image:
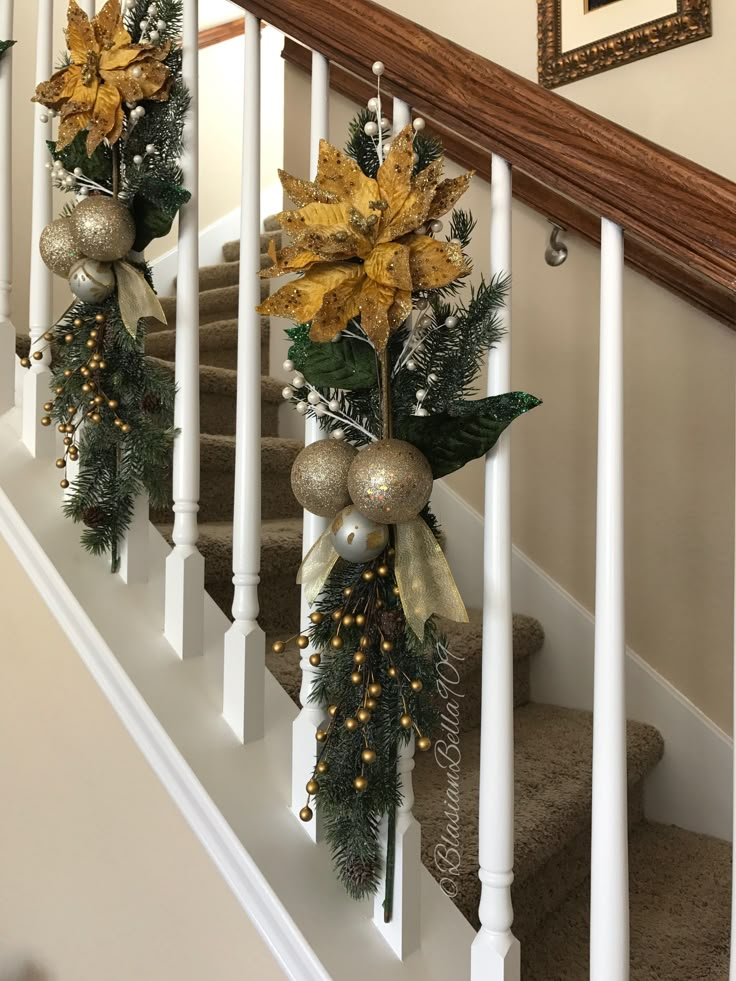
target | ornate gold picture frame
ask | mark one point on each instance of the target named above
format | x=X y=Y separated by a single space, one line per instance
x=691 y=21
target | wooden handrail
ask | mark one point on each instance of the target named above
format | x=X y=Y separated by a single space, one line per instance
x=221 y=32
x=715 y=300
x=671 y=204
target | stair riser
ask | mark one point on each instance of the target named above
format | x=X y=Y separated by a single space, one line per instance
x=217 y=415
x=279 y=598
x=548 y=887
x=217 y=496
x=214 y=305
x=547 y=890
x=231 y=251
x=471 y=691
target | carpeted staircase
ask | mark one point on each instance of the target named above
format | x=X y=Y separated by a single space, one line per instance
x=680 y=882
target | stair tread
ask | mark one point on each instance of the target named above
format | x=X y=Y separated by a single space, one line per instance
x=552 y=760
x=225 y=381
x=680 y=898
x=218 y=451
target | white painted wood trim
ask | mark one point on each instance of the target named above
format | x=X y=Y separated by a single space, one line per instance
x=274 y=924
x=681 y=790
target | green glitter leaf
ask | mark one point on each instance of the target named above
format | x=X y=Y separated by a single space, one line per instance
x=346 y=365
x=466 y=431
x=301 y=344
x=156 y=204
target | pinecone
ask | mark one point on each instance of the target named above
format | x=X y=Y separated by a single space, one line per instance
x=93 y=516
x=391 y=623
x=360 y=876
x=150 y=402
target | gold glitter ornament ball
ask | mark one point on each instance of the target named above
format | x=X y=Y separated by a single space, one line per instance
x=357 y=538
x=58 y=247
x=390 y=481
x=103 y=228
x=91 y=281
x=319 y=476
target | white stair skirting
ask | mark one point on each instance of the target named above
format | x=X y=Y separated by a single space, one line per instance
x=692 y=786
x=235 y=798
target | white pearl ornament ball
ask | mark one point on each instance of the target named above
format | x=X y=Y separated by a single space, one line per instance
x=288 y=365
x=378 y=68
x=91 y=281
x=356 y=538
x=418 y=124
x=371 y=129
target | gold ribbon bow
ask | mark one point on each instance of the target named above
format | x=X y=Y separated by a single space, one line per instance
x=136 y=299
x=426 y=584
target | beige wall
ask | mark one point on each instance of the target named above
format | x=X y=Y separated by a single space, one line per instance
x=679 y=364
x=101 y=876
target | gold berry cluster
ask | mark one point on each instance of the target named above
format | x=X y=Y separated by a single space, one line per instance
x=361 y=608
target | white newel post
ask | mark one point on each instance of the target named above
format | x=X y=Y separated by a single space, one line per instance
x=609 y=860
x=245 y=643
x=184 y=608
x=40 y=439
x=402 y=932
x=308 y=721
x=7 y=330
x=495 y=954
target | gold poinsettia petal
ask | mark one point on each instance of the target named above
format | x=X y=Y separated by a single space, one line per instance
x=434 y=264
x=289 y=260
x=326 y=229
x=109 y=28
x=400 y=309
x=388 y=264
x=394 y=180
x=69 y=126
x=107 y=120
x=339 y=305
x=375 y=303
x=304 y=192
x=301 y=299
x=339 y=175
x=80 y=35
x=449 y=193
x=153 y=77
x=59 y=88
x=416 y=208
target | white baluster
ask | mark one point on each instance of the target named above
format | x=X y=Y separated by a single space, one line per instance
x=403 y=930
x=7 y=330
x=184 y=608
x=88 y=6
x=245 y=656
x=495 y=954
x=40 y=439
x=609 y=860
x=311 y=715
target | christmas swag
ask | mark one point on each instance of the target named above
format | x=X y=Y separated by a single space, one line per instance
x=121 y=104
x=384 y=354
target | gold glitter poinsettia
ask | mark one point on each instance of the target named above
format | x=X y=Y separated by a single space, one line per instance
x=353 y=240
x=106 y=70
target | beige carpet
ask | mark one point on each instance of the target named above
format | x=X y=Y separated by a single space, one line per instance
x=680 y=893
